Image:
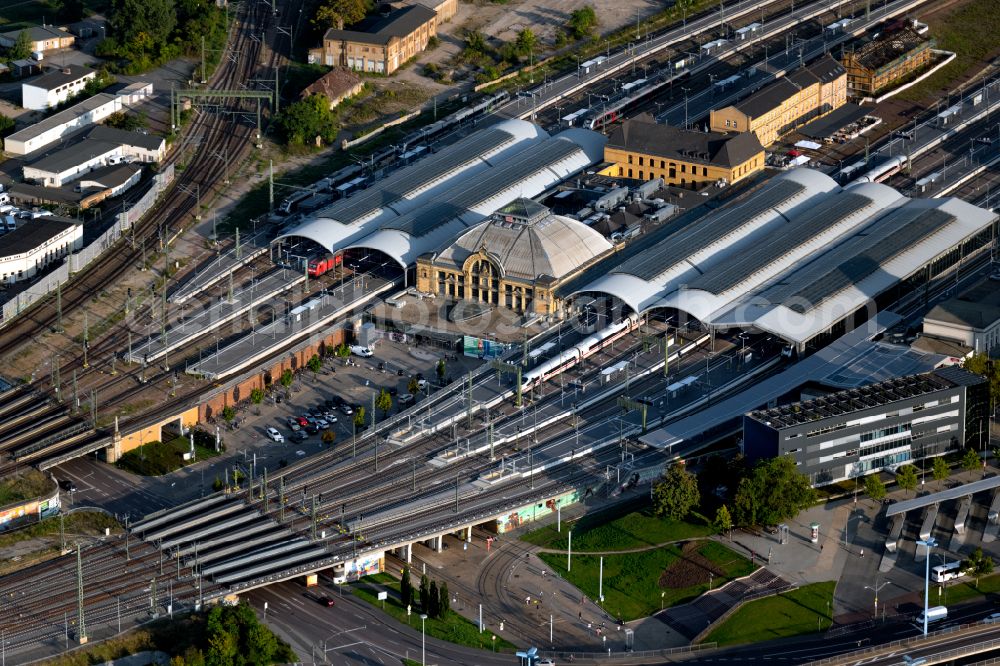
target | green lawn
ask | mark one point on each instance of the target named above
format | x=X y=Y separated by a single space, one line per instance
x=632 y=586
x=625 y=526
x=801 y=611
x=453 y=628
x=959 y=592
x=970 y=31
x=158 y=458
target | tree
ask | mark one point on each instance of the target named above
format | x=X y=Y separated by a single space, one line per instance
x=978 y=564
x=348 y=11
x=301 y=122
x=441 y=370
x=906 y=477
x=359 y=416
x=425 y=593
x=342 y=351
x=413 y=386
x=287 y=377
x=315 y=363
x=257 y=395
x=582 y=22
x=940 y=470
x=328 y=437
x=874 y=487
x=261 y=645
x=723 y=521
x=475 y=41
x=228 y=413
x=384 y=402
x=406 y=587
x=525 y=42
x=444 y=604
x=771 y=492
x=143 y=23
x=125 y=121
x=676 y=493
x=71 y=11
x=21 y=48
x=971 y=461
x=6 y=125
x=434 y=600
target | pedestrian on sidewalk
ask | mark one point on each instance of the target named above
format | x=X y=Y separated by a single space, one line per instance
x=862 y=552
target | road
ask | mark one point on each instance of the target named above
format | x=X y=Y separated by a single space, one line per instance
x=353 y=632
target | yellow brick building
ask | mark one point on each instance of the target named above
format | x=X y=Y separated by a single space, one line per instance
x=884 y=60
x=791 y=101
x=643 y=149
x=380 y=46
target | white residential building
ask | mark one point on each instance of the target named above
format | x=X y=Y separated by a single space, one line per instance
x=36 y=244
x=55 y=87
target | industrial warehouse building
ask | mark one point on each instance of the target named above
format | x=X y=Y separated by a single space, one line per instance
x=382 y=45
x=98 y=147
x=88 y=112
x=852 y=433
x=799 y=257
x=55 y=86
x=515 y=259
x=793 y=100
x=423 y=207
x=884 y=60
x=36 y=244
x=643 y=149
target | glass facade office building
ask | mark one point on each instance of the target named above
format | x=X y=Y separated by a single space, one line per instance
x=856 y=432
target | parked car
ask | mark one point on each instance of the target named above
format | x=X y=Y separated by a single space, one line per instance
x=303 y=421
x=405 y=399
x=300 y=435
x=275 y=435
x=292 y=421
x=361 y=350
x=346 y=409
x=330 y=417
x=422 y=384
x=322 y=423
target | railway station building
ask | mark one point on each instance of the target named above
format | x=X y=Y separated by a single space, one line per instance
x=848 y=434
x=797 y=256
x=643 y=149
x=516 y=258
x=889 y=57
x=424 y=207
x=793 y=100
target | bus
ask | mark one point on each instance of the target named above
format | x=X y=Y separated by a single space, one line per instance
x=945 y=572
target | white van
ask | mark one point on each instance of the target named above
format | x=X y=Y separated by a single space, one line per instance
x=934 y=614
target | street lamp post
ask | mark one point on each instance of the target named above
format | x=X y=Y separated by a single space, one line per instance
x=928 y=544
x=423 y=653
x=875 y=588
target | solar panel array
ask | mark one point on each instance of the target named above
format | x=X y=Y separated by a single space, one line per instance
x=409 y=179
x=512 y=170
x=425 y=219
x=803 y=228
x=891 y=240
x=852 y=400
x=679 y=246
